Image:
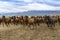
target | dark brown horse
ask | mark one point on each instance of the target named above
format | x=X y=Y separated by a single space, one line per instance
x=25 y=18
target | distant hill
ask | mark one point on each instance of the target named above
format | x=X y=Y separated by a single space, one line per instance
x=31 y=13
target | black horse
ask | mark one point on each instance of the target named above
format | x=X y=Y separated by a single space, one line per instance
x=50 y=23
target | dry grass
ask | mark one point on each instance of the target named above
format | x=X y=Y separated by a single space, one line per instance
x=20 y=32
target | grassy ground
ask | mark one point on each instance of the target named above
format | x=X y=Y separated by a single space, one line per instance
x=21 y=32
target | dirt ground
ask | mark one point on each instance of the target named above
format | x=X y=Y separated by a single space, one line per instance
x=20 y=32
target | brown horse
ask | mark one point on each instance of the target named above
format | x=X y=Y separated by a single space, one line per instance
x=38 y=20
x=31 y=22
x=59 y=20
x=15 y=20
x=6 y=20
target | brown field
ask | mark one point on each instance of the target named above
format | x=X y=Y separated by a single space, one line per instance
x=20 y=32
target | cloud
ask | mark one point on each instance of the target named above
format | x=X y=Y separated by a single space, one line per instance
x=25 y=5
x=36 y=6
x=9 y=7
x=52 y=2
x=27 y=0
x=48 y=2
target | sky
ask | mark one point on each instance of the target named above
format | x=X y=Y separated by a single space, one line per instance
x=7 y=6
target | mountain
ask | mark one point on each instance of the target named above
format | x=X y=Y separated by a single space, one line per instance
x=32 y=13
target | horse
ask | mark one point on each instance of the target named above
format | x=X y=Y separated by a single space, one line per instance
x=59 y=20
x=31 y=22
x=49 y=21
x=25 y=18
x=6 y=20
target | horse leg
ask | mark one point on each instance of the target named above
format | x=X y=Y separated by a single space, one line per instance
x=21 y=23
x=3 y=24
x=47 y=24
x=17 y=23
x=59 y=22
x=35 y=25
x=54 y=24
x=14 y=23
x=38 y=23
x=25 y=23
x=30 y=26
x=0 y=23
x=51 y=25
x=6 y=24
